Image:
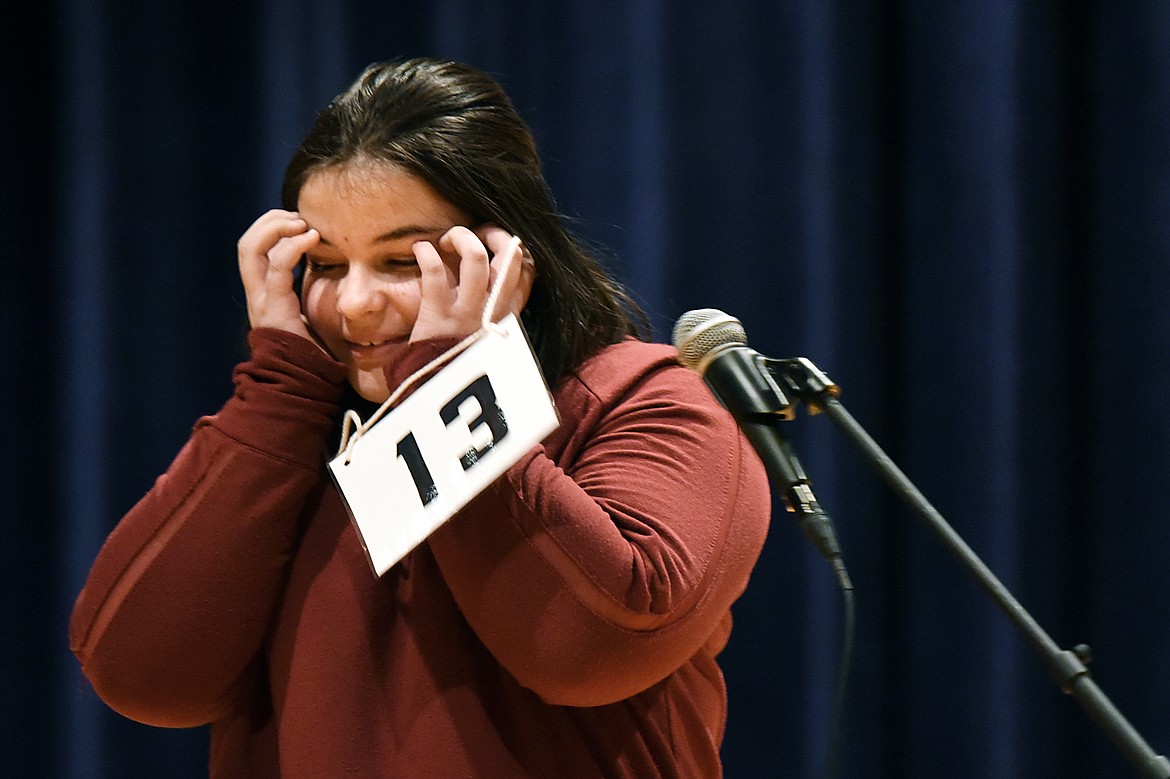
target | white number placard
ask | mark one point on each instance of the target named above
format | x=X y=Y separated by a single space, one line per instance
x=442 y=446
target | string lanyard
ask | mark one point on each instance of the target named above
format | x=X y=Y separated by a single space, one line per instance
x=352 y=427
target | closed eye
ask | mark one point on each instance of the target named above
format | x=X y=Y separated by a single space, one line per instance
x=334 y=268
x=401 y=264
x=324 y=267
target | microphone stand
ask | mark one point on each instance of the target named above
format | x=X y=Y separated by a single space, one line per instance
x=808 y=383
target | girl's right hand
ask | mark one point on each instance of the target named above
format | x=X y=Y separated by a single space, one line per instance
x=269 y=251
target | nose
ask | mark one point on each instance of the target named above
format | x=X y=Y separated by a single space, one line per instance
x=359 y=294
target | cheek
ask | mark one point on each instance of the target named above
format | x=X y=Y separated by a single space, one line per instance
x=404 y=296
x=317 y=301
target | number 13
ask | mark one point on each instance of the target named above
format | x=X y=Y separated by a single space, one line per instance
x=490 y=415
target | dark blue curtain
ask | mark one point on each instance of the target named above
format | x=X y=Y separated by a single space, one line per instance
x=957 y=210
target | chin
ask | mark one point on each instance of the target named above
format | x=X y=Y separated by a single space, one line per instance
x=372 y=388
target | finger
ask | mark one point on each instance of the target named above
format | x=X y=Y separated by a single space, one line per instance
x=521 y=269
x=287 y=252
x=494 y=237
x=523 y=288
x=268 y=229
x=262 y=236
x=269 y=252
x=511 y=263
x=498 y=241
x=437 y=280
x=473 y=265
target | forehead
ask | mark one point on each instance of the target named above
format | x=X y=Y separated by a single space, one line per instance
x=366 y=199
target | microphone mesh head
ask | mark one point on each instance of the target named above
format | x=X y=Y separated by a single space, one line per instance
x=698 y=333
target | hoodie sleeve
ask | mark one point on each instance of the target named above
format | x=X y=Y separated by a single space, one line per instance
x=611 y=555
x=182 y=592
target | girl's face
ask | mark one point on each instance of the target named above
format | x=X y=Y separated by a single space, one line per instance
x=361 y=290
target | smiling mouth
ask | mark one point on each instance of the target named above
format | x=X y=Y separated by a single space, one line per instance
x=393 y=339
x=373 y=350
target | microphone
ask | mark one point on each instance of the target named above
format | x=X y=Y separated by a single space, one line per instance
x=715 y=345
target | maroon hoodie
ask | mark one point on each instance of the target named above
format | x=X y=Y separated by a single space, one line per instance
x=564 y=624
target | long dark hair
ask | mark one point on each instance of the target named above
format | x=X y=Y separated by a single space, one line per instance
x=454 y=127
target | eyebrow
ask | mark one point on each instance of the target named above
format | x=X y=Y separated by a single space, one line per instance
x=399 y=233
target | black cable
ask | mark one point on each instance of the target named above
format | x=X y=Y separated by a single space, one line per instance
x=837 y=712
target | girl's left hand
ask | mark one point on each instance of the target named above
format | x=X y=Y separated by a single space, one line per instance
x=457 y=275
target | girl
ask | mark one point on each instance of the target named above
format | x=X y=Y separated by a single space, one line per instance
x=565 y=623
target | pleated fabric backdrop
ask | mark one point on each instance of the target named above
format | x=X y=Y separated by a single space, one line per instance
x=957 y=210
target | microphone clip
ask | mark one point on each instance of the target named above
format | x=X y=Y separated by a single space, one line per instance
x=800 y=378
x=747 y=384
